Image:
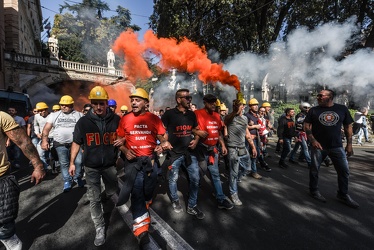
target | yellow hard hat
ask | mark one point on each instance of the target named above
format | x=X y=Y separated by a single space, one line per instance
x=218 y=102
x=243 y=101
x=56 y=107
x=66 y=100
x=41 y=105
x=124 y=108
x=223 y=107
x=253 y=101
x=98 y=93
x=266 y=104
x=139 y=92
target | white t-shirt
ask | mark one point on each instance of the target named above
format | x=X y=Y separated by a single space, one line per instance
x=63 y=125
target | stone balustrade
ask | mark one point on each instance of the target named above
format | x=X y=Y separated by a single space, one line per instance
x=88 y=68
x=68 y=65
x=16 y=57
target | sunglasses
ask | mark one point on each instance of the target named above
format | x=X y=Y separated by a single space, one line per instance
x=320 y=95
x=187 y=97
x=98 y=103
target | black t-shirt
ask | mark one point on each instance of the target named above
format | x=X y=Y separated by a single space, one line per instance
x=254 y=118
x=179 y=128
x=327 y=123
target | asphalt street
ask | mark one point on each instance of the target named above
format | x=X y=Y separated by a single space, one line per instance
x=277 y=213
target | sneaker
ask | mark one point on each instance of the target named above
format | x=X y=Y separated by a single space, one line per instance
x=266 y=168
x=177 y=206
x=283 y=165
x=293 y=161
x=144 y=240
x=195 y=211
x=235 y=200
x=327 y=163
x=12 y=243
x=256 y=176
x=100 y=236
x=318 y=196
x=225 y=204
x=347 y=200
x=79 y=182
x=67 y=186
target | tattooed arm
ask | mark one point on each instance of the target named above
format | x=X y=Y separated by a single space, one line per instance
x=19 y=137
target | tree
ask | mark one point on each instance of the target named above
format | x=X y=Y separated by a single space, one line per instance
x=233 y=26
x=85 y=35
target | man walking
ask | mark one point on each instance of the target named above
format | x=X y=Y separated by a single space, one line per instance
x=323 y=125
x=9 y=188
x=63 y=123
x=39 y=122
x=96 y=132
x=286 y=131
x=254 y=127
x=141 y=130
x=179 y=123
x=237 y=130
x=210 y=124
x=302 y=138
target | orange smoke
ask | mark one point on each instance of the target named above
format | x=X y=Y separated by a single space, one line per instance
x=185 y=56
x=120 y=92
x=135 y=66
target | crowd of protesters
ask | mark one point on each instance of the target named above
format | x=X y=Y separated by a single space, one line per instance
x=85 y=146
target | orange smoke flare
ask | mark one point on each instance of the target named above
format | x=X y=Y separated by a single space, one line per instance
x=135 y=66
x=185 y=56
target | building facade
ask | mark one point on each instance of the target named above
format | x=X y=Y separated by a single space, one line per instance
x=20 y=30
x=23 y=26
x=2 y=45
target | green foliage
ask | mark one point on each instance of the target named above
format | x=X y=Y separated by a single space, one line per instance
x=234 y=26
x=280 y=107
x=85 y=35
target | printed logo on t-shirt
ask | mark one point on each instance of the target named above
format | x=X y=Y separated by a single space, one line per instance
x=329 y=118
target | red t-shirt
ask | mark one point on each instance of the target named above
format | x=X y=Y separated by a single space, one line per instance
x=140 y=132
x=211 y=123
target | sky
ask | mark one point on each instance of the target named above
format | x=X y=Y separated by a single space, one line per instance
x=140 y=11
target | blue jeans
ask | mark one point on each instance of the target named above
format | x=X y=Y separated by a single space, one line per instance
x=339 y=159
x=304 y=147
x=93 y=180
x=214 y=172
x=363 y=132
x=244 y=163
x=43 y=155
x=286 y=148
x=253 y=160
x=35 y=141
x=194 y=178
x=64 y=159
x=238 y=164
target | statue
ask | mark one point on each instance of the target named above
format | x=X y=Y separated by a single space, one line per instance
x=53 y=46
x=111 y=59
x=265 y=88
